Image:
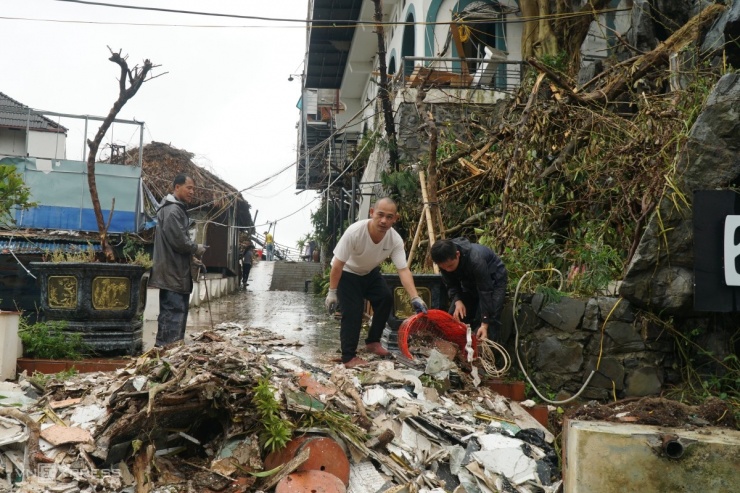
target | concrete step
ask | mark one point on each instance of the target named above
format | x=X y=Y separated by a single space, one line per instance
x=294 y=276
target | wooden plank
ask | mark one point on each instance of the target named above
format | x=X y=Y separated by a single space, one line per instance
x=417 y=235
x=438 y=78
x=470 y=166
x=477 y=155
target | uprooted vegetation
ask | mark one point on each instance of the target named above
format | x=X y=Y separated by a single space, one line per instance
x=569 y=175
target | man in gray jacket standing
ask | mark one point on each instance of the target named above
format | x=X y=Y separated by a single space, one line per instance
x=173 y=255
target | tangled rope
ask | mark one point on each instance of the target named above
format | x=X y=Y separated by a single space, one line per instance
x=487 y=356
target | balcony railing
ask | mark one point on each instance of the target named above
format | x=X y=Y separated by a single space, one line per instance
x=462 y=73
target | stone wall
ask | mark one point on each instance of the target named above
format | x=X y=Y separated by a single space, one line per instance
x=453 y=119
x=560 y=343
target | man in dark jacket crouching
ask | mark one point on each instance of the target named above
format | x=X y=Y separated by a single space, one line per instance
x=476 y=281
x=173 y=254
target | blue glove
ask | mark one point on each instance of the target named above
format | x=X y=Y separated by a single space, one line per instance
x=419 y=305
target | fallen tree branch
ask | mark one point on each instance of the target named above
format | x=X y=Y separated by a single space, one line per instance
x=518 y=142
x=624 y=78
x=288 y=468
x=33 y=452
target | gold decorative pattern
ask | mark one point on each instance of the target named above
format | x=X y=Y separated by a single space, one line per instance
x=402 y=302
x=111 y=293
x=62 y=291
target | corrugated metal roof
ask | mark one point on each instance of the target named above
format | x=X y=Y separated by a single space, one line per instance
x=15 y=115
x=330 y=40
x=24 y=246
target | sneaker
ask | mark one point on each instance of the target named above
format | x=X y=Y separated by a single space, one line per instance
x=354 y=362
x=377 y=348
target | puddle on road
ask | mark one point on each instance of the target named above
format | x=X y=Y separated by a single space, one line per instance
x=297 y=316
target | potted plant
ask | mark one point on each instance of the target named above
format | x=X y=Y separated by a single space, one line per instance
x=49 y=348
x=96 y=295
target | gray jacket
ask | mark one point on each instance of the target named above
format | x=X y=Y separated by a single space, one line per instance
x=173 y=248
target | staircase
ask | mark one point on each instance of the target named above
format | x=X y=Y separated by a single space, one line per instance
x=294 y=276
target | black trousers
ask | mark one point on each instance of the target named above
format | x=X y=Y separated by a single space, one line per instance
x=173 y=317
x=352 y=292
x=245 y=273
x=472 y=309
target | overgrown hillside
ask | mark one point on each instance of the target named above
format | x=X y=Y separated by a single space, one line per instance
x=569 y=176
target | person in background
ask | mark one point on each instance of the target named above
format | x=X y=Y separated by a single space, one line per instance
x=311 y=249
x=173 y=259
x=269 y=246
x=355 y=277
x=476 y=281
x=247 y=258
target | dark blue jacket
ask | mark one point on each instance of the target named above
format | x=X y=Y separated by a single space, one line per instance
x=482 y=271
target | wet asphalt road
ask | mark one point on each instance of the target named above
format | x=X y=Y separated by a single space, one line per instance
x=297 y=316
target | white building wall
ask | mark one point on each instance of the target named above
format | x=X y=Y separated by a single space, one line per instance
x=353 y=107
x=46 y=145
x=12 y=142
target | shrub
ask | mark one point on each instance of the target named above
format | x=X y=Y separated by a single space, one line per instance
x=49 y=340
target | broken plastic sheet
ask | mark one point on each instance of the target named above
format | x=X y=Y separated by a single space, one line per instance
x=11 y=431
x=365 y=478
x=13 y=394
x=438 y=365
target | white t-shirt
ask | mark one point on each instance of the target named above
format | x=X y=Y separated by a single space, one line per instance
x=361 y=255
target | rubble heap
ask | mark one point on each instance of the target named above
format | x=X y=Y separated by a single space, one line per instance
x=194 y=418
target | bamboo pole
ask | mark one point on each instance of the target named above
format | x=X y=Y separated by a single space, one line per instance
x=415 y=242
x=427 y=213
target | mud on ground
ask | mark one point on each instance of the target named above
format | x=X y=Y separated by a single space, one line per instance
x=659 y=411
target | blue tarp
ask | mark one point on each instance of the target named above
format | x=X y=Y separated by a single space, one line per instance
x=63 y=195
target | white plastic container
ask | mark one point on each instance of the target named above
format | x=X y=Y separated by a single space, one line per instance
x=10 y=344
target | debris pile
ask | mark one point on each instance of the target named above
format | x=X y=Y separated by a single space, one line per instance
x=659 y=411
x=233 y=411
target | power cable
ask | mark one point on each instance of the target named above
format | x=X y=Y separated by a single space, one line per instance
x=516 y=342
x=337 y=23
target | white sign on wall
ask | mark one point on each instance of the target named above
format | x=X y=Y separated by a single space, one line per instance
x=731 y=250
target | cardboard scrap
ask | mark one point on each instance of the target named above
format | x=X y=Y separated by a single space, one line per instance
x=57 y=435
x=64 y=403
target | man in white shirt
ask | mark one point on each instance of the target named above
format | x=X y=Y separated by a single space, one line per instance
x=355 y=277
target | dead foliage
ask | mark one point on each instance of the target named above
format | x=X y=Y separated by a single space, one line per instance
x=660 y=412
x=570 y=175
x=162 y=162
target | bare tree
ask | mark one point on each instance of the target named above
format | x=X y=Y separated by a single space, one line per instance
x=129 y=83
x=383 y=94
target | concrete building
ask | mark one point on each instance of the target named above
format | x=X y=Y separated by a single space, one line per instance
x=466 y=51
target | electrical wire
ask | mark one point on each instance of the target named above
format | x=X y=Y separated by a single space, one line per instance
x=516 y=342
x=329 y=23
x=487 y=358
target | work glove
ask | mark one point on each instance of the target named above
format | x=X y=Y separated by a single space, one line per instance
x=200 y=250
x=331 y=300
x=419 y=305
